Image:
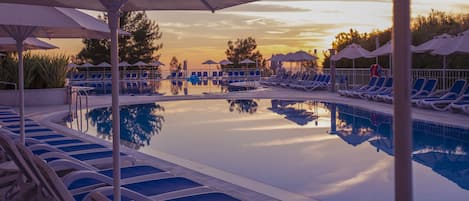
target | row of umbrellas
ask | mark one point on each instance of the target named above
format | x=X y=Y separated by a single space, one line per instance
x=227 y=62
x=299 y=56
x=21 y=19
x=121 y=64
x=443 y=45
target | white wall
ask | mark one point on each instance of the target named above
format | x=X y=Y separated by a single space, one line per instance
x=35 y=97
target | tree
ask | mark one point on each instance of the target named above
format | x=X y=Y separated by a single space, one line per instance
x=140 y=45
x=243 y=49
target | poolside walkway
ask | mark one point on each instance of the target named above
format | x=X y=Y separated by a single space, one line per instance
x=237 y=186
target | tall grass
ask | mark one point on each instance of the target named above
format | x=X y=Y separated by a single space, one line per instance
x=40 y=71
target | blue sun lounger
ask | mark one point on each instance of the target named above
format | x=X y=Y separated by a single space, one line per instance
x=452 y=93
x=385 y=89
x=443 y=103
x=370 y=84
x=377 y=86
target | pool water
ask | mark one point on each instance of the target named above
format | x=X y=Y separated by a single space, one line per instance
x=297 y=146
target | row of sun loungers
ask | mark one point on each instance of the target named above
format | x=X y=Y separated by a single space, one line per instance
x=55 y=166
x=107 y=76
x=304 y=81
x=221 y=74
x=423 y=94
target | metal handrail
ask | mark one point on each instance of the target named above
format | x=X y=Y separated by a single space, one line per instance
x=9 y=83
x=80 y=93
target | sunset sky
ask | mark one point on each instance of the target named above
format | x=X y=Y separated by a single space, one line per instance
x=279 y=26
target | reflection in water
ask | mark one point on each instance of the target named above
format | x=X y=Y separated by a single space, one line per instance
x=444 y=149
x=243 y=106
x=138 y=123
x=294 y=110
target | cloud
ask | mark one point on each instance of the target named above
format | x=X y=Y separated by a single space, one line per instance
x=257 y=7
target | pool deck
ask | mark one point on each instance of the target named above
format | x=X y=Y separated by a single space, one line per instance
x=235 y=185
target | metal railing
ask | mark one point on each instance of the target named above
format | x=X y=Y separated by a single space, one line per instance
x=77 y=105
x=362 y=75
x=9 y=83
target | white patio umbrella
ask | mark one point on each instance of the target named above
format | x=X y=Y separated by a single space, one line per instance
x=23 y=21
x=86 y=66
x=140 y=64
x=386 y=49
x=437 y=43
x=303 y=56
x=458 y=44
x=8 y=44
x=155 y=64
x=104 y=65
x=352 y=51
x=72 y=65
x=225 y=62
x=113 y=8
x=209 y=63
x=247 y=61
x=124 y=64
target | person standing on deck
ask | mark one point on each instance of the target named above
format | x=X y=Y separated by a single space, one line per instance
x=375 y=70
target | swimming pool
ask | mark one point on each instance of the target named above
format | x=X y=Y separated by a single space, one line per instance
x=297 y=145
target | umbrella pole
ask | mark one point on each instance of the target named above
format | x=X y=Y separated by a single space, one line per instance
x=390 y=64
x=113 y=14
x=353 y=72
x=19 y=48
x=444 y=72
x=402 y=108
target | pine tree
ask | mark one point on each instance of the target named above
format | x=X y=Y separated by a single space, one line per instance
x=141 y=45
x=243 y=49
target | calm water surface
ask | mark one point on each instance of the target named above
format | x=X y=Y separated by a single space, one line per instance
x=297 y=146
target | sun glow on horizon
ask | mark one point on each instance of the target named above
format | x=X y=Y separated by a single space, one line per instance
x=279 y=26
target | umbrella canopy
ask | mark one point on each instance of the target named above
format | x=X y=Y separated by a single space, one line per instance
x=386 y=49
x=124 y=64
x=23 y=21
x=156 y=63
x=225 y=62
x=135 y=5
x=352 y=51
x=459 y=44
x=302 y=56
x=87 y=65
x=289 y=57
x=113 y=7
x=140 y=63
x=247 y=61
x=209 y=62
x=73 y=65
x=277 y=57
x=48 y=22
x=434 y=43
x=104 y=65
x=9 y=44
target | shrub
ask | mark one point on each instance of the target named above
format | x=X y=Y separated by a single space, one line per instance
x=40 y=71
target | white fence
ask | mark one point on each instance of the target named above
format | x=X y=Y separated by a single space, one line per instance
x=362 y=75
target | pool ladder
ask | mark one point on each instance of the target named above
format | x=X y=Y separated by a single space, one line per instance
x=77 y=104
